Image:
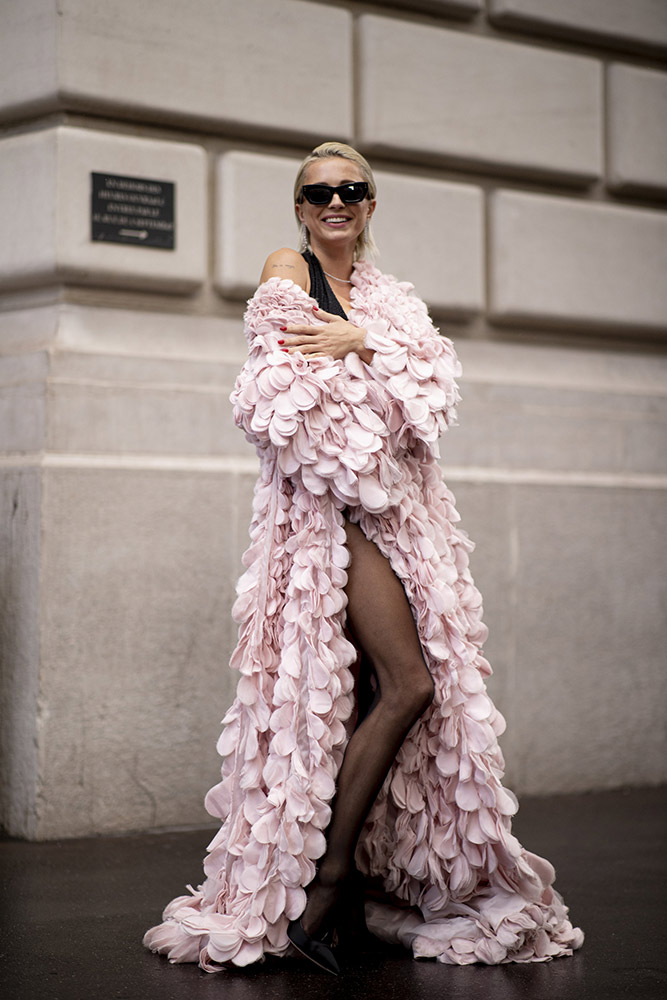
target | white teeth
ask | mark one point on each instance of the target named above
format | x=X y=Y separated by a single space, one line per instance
x=335 y=218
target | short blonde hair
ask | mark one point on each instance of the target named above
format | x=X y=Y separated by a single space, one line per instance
x=365 y=244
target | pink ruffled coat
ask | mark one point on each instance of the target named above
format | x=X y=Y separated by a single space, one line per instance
x=334 y=436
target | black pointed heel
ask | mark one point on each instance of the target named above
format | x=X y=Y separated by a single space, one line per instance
x=317 y=951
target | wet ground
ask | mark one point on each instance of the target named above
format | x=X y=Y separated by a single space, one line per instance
x=74 y=911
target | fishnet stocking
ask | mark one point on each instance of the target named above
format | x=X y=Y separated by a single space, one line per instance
x=380 y=620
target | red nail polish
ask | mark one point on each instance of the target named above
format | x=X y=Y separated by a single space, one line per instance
x=284 y=349
x=316 y=308
x=283 y=328
x=281 y=341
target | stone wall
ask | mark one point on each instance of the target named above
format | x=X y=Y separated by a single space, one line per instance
x=521 y=155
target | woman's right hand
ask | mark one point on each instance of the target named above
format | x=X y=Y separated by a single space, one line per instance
x=334 y=337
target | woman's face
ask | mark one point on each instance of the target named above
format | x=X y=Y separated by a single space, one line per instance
x=334 y=225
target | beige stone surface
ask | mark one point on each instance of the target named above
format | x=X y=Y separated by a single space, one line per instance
x=28 y=57
x=23 y=402
x=560 y=472
x=138 y=578
x=47 y=223
x=502 y=362
x=81 y=151
x=599 y=644
x=20 y=608
x=478 y=101
x=558 y=430
x=254 y=215
x=578 y=669
x=140 y=333
x=250 y=64
x=567 y=262
x=135 y=406
x=119 y=382
x=637 y=128
x=28 y=329
x=632 y=23
x=431 y=233
x=28 y=218
x=444 y=251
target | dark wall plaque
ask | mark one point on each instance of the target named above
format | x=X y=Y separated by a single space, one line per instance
x=132 y=210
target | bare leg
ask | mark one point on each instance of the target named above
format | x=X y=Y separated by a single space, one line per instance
x=381 y=621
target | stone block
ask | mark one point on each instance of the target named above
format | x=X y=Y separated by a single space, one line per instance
x=559 y=261
x=537 y=430
x=135 y=644
x=477 y=101
x=564 y=609
x=28 y=329
x=28 y=213
x=256 y=64
x=541 y=411
x=135 y=406
x=28 y=58
x=431 y=233
x=47 y=224
x=23 y=402
x=633 y=24
x=485 y=510
x=550 y=366
x=254 y=216
x=443 y=254
x=20 y=609
x=637 y=129
x=117 y=381
x=541 y=426
x=139 y=333
x=591 y=614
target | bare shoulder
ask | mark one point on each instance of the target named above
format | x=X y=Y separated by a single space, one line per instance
x=286 y=263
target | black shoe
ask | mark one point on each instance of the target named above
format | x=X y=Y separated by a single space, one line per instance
x=317 y=951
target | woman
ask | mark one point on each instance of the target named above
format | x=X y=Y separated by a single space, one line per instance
x=356 y=568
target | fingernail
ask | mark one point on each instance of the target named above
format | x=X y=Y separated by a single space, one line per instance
x=285 y=350
x=316 y=308
x=281 y=341
x=283 y=328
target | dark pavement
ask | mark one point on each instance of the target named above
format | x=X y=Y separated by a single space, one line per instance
x=74 y=912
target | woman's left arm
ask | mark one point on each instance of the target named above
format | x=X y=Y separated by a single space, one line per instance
x=419 y=368
x=413 y=361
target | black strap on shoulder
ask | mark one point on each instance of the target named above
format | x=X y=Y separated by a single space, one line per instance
x=320 y=289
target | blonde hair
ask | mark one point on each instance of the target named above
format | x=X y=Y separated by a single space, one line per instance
x=365 y=245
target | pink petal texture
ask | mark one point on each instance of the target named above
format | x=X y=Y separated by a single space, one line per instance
x=330 y=436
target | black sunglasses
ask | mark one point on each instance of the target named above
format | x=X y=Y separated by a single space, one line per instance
x=321 y=194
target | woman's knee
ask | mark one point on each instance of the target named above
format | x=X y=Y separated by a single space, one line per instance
x=410 y=699
x=424 y=692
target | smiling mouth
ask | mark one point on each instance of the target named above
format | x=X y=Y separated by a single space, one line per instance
x=336 y=219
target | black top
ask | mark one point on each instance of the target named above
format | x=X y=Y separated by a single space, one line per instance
x=320 y=289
